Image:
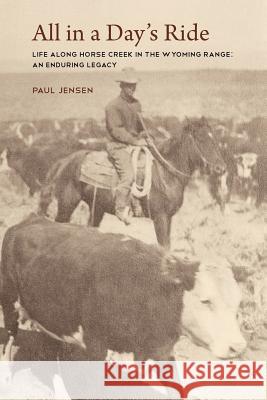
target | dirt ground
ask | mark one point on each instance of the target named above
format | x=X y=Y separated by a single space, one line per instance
x=199 y=228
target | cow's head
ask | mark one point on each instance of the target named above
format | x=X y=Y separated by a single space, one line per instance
x=245 y=164
x=211 y=310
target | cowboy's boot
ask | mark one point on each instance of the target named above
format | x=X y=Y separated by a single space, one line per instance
x=123 y=215
x=122 y=205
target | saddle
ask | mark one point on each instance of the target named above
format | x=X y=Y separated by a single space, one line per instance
x=97 y=170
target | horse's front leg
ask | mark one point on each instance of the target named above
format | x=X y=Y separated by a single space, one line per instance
x=162 y=224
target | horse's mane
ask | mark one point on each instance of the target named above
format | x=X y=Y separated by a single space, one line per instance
x=169 y=149
x=190 y=126
x=166 y=147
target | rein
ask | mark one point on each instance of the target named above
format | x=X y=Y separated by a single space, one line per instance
x=155 y=152
x=170 y=168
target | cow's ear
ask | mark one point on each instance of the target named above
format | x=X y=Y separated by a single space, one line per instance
x=181 y=270
x=241 y=273
x=238 y=158
x=187 y=274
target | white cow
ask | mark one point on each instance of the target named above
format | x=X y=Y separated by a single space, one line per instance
x=246 y=162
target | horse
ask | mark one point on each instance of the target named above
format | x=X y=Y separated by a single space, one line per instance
x=174 y=163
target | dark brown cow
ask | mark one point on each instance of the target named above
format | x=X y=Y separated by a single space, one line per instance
x=100 y=291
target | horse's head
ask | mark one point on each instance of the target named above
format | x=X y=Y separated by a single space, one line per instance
x=204 y=148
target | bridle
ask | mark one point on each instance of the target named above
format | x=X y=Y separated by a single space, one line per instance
x=170 y=168
x=203 y=158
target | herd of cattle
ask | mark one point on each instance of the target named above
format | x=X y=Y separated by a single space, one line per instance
x=139 y=299
x=31 y=148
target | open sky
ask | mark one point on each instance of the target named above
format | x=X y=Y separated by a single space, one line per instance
x=238 y=26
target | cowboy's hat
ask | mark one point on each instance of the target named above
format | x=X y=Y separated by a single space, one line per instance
x=128 y=75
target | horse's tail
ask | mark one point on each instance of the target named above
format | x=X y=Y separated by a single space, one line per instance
x=58 y=175
x=48 y=188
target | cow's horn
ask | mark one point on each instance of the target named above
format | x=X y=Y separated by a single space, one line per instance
x=76 y=338
x=8 y=350
x=178 y=257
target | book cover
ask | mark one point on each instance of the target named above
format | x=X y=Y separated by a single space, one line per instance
x=147 y=122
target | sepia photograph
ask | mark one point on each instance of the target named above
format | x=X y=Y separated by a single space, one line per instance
x=133 y=188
